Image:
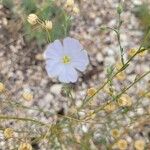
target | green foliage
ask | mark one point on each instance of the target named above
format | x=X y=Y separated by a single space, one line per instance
x=85 y=144
x=61 y=22
x=143 y=13
x=39 y=35
x=61 y=27
x=103 y=141
x=7 y=3
x=29 y=6
x=119 y=9
x=45 y=10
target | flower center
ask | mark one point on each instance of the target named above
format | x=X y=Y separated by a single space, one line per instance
x=66 y=59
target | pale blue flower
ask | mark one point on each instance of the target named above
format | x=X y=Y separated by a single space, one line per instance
x=64 y=59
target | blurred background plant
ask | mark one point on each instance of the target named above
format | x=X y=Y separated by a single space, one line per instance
x=45 y=10
x=143 y=13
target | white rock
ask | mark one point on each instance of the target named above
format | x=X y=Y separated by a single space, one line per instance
x=99 y=57
x=47 y=99
x=109 y=61
x=97 y=135
x=132 y=77
x=78 y=103
x=81 y=114
x=131 y=114
x=110 y=52
x=137 y=2
x=129 y=139
x=98 y=21
x=56 y=89
x=84 y=128
x=140 y=111
x=145 y=102
x=112 y=23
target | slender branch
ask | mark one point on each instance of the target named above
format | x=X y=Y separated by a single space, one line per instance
x=123 y=91
x=121 y=69
x=22 y=119
x=117 y=96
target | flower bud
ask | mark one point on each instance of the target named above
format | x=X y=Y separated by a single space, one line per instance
x=2 y=87
x=91 y=92
x=48 y=24
x=25 y=146
x=139 y=145
x=32 y=19
x=121 y=76
x=119 y=9
x=143 y=53
x=118 y=65
x=115 y=133
x=69 y=3
x=8 y=133
x=125 y=101
x=110 y=107
x=122 y=144
x=132 y=51
x=76 y=10
x=27 y=95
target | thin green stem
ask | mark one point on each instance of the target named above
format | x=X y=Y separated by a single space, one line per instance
x=118 y=96
x=120 y=70
x=137 y=80
x=22 y=119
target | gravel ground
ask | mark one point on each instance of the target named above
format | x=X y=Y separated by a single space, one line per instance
x=21 y=68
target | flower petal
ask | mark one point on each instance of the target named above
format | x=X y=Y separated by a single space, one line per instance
x=69 y=74
x=79 y=66
x=54 y=50
x=55 y=53
x=53 y=68
x=80 y=61
x=72 y=45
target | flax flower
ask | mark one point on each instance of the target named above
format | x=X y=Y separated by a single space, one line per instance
x=64 y=59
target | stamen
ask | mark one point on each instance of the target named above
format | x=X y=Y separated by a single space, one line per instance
x=66 y=59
